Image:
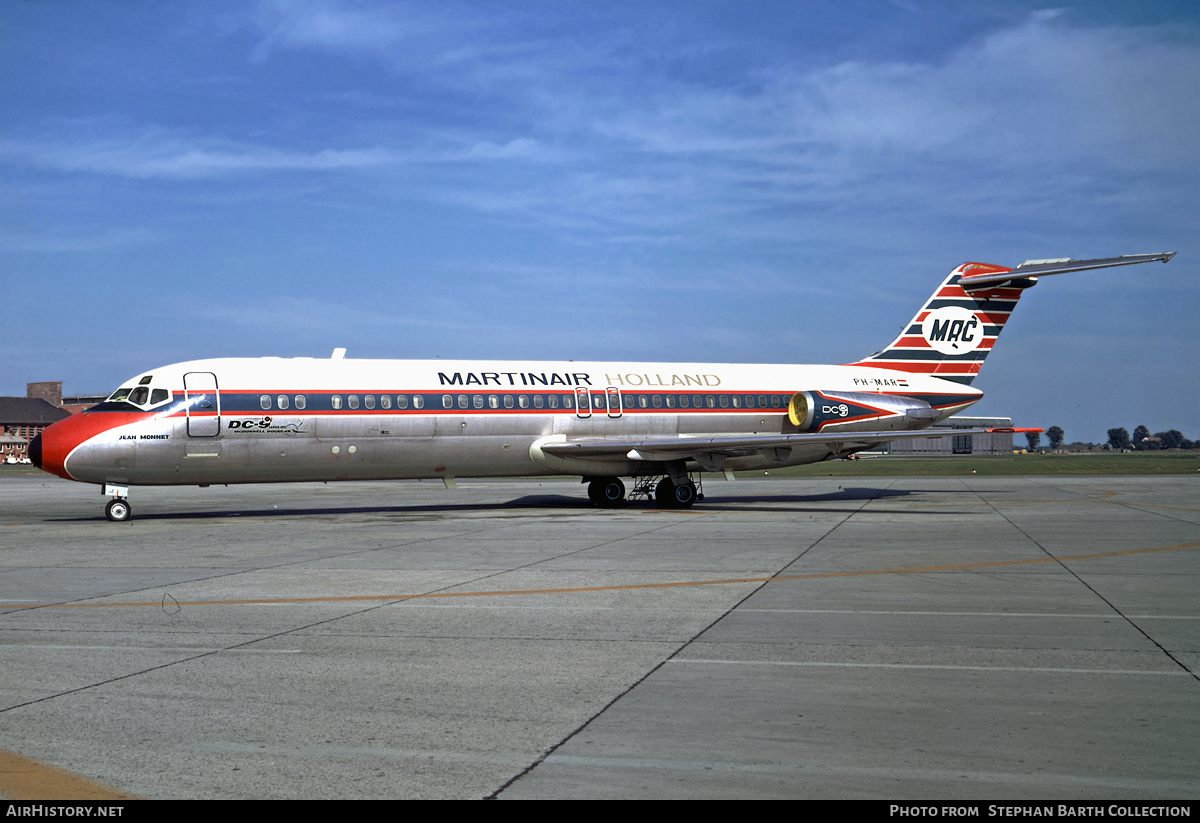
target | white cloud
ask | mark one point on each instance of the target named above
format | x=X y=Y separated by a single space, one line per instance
x=327 y=25
x=155 y=155
x=56 y=240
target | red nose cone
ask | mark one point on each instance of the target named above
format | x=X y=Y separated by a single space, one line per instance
x=49 y=450
x=55 y=444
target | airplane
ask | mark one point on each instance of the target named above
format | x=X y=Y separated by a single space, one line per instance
x=271 y=419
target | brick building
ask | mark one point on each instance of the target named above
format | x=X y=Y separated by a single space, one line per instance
x=23 y=417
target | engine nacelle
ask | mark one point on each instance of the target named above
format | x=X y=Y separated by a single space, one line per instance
x=812 y=411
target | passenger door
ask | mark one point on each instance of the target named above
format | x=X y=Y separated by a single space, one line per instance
x=203 y=404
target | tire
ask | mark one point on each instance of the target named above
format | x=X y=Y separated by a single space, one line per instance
x=606 y=492
x=117 y=510
x=669 y=496
x=685 y=495
x=612 y=492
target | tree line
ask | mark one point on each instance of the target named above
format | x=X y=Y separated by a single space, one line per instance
x=1142 y=440
x=1119 y=439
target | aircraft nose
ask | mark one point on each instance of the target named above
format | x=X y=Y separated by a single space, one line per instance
x=35 y=450
x=49 y=448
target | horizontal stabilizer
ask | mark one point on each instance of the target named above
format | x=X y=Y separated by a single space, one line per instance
x=1042 y=268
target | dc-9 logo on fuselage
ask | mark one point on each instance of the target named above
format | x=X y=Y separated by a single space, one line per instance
x=952 y=330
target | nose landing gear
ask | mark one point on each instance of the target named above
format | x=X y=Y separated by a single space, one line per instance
x=117 y=510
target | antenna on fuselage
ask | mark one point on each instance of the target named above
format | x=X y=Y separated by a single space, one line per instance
x=338 y=354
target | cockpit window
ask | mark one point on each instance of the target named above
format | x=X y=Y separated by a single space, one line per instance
x=140 y=396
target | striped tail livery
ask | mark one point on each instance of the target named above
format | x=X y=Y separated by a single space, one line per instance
x=954 y=331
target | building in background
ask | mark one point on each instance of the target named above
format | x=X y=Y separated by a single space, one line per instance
x=23 y=417
x=77 y=403
x=994 y=443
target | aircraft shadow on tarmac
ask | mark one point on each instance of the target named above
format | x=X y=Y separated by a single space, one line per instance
x=777 y=503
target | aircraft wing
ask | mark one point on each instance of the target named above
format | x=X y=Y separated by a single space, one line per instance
x=711 y=452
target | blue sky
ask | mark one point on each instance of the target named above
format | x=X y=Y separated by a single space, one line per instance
x=724 y=182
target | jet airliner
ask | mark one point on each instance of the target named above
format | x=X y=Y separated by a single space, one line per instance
x=269 y=419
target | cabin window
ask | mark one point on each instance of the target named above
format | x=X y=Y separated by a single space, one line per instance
x=385 y=402
x=282 y=401
x=402 y=401
x=477 y=401
x=463 y=402
x=710 y=401
x=369 y=401
x=643 y=401
x=537 y=401
x=353 y=401
x=697 y=401
x=774 y=401
x=447 y=401
x=553 y=400
x=508 y=401
x=493 y=401
x=683 y=401
x=418 y=401
x=568 y=401
x=264 y=401
x=724 y=401
x=657 y=402
x=523 y=401
x=749 y=401
x=301 y=401
x=335 y=401
x=737 y=401
x=670 y=401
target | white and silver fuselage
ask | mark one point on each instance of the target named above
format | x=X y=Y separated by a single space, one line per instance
x=275 y=419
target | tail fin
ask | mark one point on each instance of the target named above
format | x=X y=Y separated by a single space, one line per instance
x=956 y=328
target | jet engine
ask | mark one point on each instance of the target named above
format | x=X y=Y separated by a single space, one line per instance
x=812 y=411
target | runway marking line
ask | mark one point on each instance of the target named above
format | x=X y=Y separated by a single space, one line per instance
x=626 y=587
x=22 y=778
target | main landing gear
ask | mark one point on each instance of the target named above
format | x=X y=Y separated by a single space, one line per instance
x=670 y=496
x=117 y=510
x=609 y=492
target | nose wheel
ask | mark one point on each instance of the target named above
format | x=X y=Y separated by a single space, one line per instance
x=117 y=510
